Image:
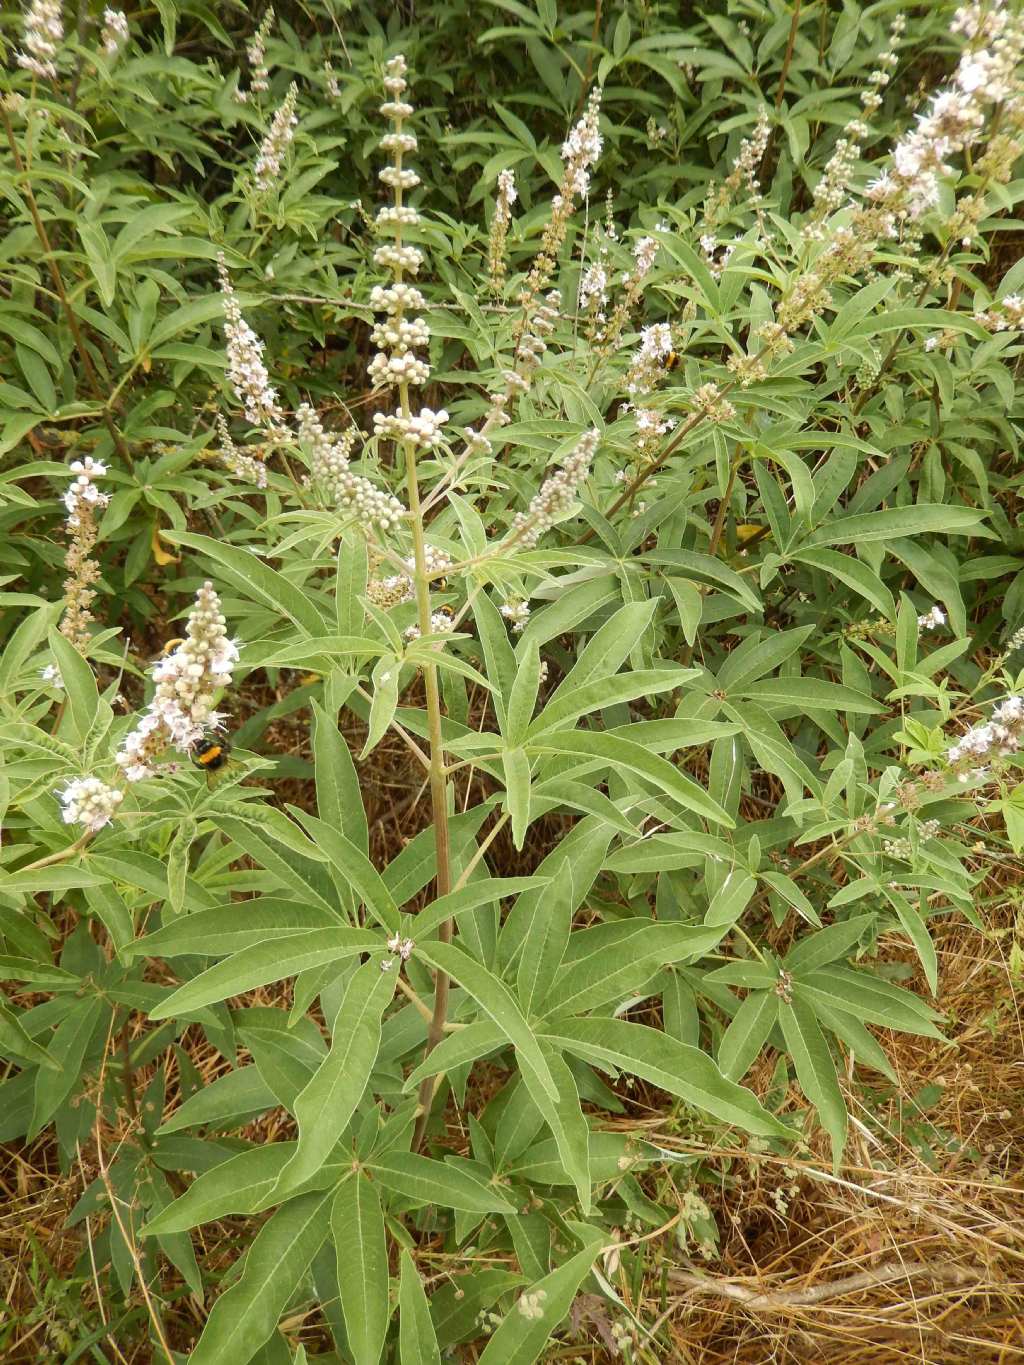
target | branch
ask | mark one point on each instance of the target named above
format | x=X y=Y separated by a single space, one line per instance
x=779 y=1300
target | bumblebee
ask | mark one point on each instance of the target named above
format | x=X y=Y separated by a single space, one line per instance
x=210 y=754
x=672 y=361
x=170 y=646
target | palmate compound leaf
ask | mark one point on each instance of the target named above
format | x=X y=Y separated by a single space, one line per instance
x=245 y=1316
x=683 y=1071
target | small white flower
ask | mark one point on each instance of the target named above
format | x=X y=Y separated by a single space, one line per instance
x=932 y=619
x=114 y=34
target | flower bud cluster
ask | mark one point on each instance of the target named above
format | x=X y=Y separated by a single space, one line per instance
x=716 y=254
x=114 y=33
x=496 y=242
x=1005 y=315
x=932 y=619
x=441 y=623
x=955 y=118
x=744 y=173
x=248 y=467
x=996 y=738
x=188 y=682
x=557 y=494
x=329 y=470
x=82 y=500
x=424 y=429
x=256 y=54
x=517 y=614
x=832 y=190
x=647 y=364
x=396 y=363
x=44 y=33
x=401 y=587
x=716 y=409
x=651 y=426
x=580 y=152
x=274 y=146
x=89 y=802
x=533 y=342
x=246 y=370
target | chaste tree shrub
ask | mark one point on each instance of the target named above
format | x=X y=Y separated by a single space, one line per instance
x=642 y=468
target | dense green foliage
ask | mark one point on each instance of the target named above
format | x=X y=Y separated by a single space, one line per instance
x=684 y=709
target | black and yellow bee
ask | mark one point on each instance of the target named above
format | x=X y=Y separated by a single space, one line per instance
x=672 y=361
x=170 y=646
x=210 y=754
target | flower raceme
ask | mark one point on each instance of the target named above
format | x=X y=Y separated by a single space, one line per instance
x=188 y=683
x=82 y=500
x=44 y=33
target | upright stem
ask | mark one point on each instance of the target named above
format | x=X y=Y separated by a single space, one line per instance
x=787 y=60
x=436 y=768
x=438 y=785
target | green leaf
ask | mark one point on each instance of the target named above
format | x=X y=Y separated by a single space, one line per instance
x=546 y=939
x=828 y=945
x=495 y=999
x=356 y=870
x=15 y=1042
x=257 y=580
x=610 y=960
x=895 y=521
x=624 y=754
x=606 y=651
x=731 y=899
x=417 y=1340
x=814 y=694
x=815 y=1069
x=681 y=1070
x=516 y=766
x=566 y=1120
x=238 y=1185
x=323 y=1109
x=856 y=1037
x=227 y=1101
x=338 y=797
x=357 y=1225
x=232 y=927
x=246 y=1315
x=787 y=889
x=917 y=931
x=870 y=999
x=854 y=574
x=101 y=263
x=747 y=1033
x=523 y=696
x=522 y=1335
x=427 y=1181
x=83 y=698
x=608 y=691
x=266 y=962
x=498 y=653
